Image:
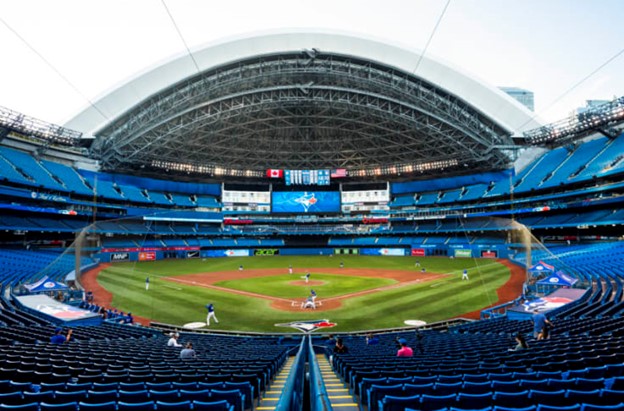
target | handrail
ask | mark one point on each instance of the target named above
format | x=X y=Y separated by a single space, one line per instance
x=292 y=394
x=318 y=392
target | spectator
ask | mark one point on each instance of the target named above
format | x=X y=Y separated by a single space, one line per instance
x=129 y=319
x=331 y=341
x=404 y=351
x=419 y=342
x=173 y=341
x=188 y=353
x=340 y=348
x=371 y=339
x=521 y=343
x=58 y=338
x=539 y=322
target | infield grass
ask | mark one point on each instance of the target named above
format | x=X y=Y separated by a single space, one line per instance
x=281 y=286
x=176 y=303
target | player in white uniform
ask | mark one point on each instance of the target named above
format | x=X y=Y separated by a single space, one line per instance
x=290 y=270
x=211 y=314
x=309 y=303
x=465 y=275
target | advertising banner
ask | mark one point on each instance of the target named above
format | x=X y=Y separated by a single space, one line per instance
x=305 y=202
x=266 y=251
x=226 y=253
x=489 y=254
x=115 y=257
x=418 y=252
x=462 y=253
x=383 y=251
x=147 y=256
x=192 y=254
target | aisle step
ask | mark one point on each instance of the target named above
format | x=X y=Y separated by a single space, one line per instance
x=337 y=391
x=273 y=393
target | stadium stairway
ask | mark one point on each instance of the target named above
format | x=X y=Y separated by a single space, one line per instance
x=274 y=392
x=337 y=392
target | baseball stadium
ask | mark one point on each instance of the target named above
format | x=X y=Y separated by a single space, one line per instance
x=212 y=236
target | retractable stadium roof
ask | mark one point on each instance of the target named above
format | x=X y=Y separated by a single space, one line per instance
x=303 y=100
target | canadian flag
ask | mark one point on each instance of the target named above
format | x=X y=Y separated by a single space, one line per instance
x=275 y=173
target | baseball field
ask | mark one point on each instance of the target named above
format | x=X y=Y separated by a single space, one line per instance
x=367 y=293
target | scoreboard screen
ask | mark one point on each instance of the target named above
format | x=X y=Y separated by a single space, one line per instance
x=307 y=177
x=305 y=202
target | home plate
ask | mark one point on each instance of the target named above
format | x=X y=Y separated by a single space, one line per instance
x=193 y=326
x=415 y=323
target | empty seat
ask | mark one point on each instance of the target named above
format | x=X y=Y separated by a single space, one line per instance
x=211 y=406
x=173 y=406
x=101 y=406
x=68 y=406
x=143 y=406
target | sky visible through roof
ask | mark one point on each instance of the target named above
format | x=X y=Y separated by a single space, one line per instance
x=60 y=55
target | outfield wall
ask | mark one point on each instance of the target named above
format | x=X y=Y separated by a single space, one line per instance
x=114 y=255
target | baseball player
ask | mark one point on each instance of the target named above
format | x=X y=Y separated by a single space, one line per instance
x=290 y=270
x=465 y=275
x=309 y=303
x=211 y=314
x=147 y=283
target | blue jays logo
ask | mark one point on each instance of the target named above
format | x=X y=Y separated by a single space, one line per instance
x=308 y=326
x=306 y=200
x=546 y=303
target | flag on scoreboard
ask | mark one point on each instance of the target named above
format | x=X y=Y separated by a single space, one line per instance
x=338 y=173
x=275 y=173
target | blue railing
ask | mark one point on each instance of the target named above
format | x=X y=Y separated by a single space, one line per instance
x=292 y=394
x=318 y=392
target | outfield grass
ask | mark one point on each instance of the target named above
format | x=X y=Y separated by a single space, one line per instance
x=178 y=303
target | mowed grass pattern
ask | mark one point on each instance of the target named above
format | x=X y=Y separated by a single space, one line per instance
x=177 y=303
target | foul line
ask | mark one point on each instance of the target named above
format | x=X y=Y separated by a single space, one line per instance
x=229 y=290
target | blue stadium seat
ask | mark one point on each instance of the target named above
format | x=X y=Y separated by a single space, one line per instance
x=11 y=398
x=20 y=407
x=234 y=397
x=392 y=403
x=377 y=392
x=474 y=401
x=133 y=396
x=512 y=399
x=436 y=402
x=144 y=406
x=68 y=406
x=165 y=396
x=70 y=396
x=101 y=406
x=576 y=407
x=212 y=406
x=174 y=406
x=199 y=395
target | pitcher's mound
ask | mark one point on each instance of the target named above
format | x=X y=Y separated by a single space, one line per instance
x=309 y=283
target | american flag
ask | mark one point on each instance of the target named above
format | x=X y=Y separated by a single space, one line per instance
x=338 y=173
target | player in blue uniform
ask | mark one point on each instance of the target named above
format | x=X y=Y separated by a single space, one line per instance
x=211 y=314
x=465 y=275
